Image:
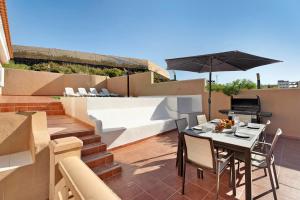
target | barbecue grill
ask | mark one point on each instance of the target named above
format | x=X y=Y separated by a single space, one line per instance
x=247 y=106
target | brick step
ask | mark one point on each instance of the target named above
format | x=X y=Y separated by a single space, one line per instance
x=93 y=152
x=107 y=170
x=30 y=104
x=90 y=139
x=55 y=112
x=92 y=148
x=68 y=134
x=53 y=108
x=98 y=159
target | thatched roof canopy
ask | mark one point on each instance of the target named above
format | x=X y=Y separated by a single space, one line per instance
x=51 y=54
x=76 y=57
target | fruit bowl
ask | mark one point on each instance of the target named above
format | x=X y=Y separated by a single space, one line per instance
x=224 y=124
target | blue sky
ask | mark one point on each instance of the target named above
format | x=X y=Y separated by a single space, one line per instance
x=160 y=29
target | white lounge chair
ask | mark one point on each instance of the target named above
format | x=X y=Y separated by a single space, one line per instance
x=105 y=92
x=70 y=92
x=93 y=91
x=83 y=92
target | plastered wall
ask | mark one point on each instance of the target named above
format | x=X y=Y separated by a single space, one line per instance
x=27 y=83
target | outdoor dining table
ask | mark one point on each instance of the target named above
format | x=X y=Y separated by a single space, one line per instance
x=233 y=143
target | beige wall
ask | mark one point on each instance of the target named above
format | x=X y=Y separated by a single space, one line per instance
x=14 y=133
x=25 y=132
x=24 y=82
x=142 y=84
x=118 y=85
x=283 y=103
x=77 y=107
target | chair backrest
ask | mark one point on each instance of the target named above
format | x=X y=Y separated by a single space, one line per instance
x=82 y=91
x=244 y=118
x=199 y=150
x=93 y=91
x=274 y=142
x=201 y=119
x=181 y=124
x=105 y=91
x=267 y=124
x=69 y=91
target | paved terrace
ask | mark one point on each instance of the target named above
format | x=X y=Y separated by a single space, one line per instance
x=149 y=173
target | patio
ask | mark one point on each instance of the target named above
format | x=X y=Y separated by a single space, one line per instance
x=149 y=173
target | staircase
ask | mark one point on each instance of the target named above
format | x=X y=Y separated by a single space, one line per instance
x=94 y=152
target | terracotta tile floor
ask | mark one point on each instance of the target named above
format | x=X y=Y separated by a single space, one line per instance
x=149 y=173
x=63 y=124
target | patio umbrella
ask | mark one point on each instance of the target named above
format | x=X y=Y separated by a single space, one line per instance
x=223 y=61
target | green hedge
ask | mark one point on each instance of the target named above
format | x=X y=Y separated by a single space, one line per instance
x=78 y=69
x=67 y=69
x=232 y=88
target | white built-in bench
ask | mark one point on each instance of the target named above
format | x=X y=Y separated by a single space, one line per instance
x=122 y=121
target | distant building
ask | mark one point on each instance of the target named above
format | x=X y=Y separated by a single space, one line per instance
x=288 y=84
x=283 y=84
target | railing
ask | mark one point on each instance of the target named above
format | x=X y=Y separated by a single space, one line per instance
x=70 y=178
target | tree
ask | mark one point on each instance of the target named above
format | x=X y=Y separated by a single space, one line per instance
x=234 y=87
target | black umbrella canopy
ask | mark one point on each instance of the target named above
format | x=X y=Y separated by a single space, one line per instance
x=224 y=61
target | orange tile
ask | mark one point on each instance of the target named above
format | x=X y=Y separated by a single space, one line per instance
x=161 y=191
x=147 y=164
x=7 y=109
x=194 y=192
x=143 y=196
x=178 y=196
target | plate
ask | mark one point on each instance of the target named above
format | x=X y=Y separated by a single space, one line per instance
x=215 y=121
x=242 y=124
x=197 y=128
x=227 y=130
x=241 y=135
x=253 y=126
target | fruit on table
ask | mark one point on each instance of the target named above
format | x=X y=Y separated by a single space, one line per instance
x=224 y=123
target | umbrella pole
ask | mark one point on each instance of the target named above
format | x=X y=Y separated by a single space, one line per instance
x=128 y=85
x=127 y=76
x=209 y=92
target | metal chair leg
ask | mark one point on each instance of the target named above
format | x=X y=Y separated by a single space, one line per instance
x=218 y=181
x=275 y=176
x=178 y=153
x=272 y=182
x=265 y=170
x=218 y=185
x=233 y=178
x=230 y=176
x=200 y=173
x=183 y=177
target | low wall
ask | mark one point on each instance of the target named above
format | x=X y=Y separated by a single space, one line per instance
x=24 y=132
x=26 y=83
x=121 y=120
x=142 y=84
x=77 y=107
x=118 y=85
x=283 y=103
